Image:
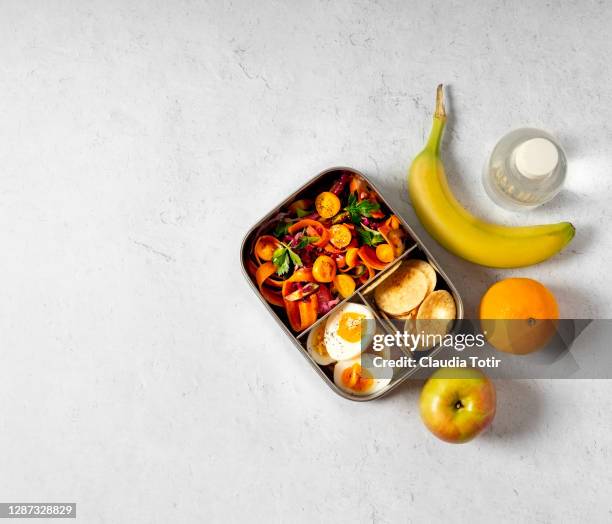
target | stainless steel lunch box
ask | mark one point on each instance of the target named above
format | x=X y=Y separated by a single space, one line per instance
x=414 y=249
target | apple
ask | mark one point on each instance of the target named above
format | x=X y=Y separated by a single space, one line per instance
x=457 y=404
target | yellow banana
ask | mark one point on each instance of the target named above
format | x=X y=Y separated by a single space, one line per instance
x=462 y=233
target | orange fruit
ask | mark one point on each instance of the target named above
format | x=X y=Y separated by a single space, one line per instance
x=518 y=315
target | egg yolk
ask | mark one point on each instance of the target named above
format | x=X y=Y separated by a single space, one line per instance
x=349 y=327
x=319 y=344
x=357 y=378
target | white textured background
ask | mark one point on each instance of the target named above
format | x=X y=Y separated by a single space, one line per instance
x=141 y=377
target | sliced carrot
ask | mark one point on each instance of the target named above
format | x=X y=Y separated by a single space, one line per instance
x=293 y=314
x=320 y=229
x=272 y=296
x=272 y=280
x=301 y=313
x=312 y=232
x=345 y=285
x=384 y=252
x=275 y=282
x=308 y=311
x=251 y=267
x=262 y=274
x=330 y=248
x=357 y=185
x=303 y=274
x=340 y=235
x=324 y=269
x=393 y=235
x=397 y=240
x=327 y=204
x=303 y=223
x=265 y=247
x=393 y=222
x=369 y=258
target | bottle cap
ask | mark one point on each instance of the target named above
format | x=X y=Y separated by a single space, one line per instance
x=536 y=158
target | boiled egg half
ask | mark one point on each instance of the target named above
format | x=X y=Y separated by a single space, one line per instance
x=360 y=377
x=316 y=345
x=348 y=331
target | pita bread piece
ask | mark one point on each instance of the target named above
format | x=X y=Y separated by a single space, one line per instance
x=402 y=291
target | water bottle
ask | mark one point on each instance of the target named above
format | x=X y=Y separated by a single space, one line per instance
x=526 y=169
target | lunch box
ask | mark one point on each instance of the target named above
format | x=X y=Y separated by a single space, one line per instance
x=414 y=248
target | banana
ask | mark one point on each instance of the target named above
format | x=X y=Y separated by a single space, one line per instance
x=462 y=233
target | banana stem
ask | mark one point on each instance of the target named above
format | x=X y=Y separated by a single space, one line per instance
x=439 y=120
x=440 y=113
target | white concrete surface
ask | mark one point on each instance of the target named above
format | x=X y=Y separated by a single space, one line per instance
x=141 y=378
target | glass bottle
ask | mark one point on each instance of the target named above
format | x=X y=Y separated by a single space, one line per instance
x=526 y=169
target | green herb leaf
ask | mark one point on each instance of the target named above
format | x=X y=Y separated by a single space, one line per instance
x=356 y=210
x=305 y=240
x=283 y=258
x=301 y=213
x=295 y=258
x=369 y=237
x=339 y=217
x=280 y=259
x=281 y=229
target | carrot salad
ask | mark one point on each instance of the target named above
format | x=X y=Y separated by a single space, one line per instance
x=318 y=251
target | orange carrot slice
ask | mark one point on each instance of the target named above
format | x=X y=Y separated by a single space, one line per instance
x=320 y=229
x=303 y=274
x=369 y=258
x=308 y=311
x=265 y=247
x=358 y=185
x=393 y=222
x=251 y=267
x=272 y=296
x=303 y=313
x=330 y=248
x=393 y=233
x=262 y=274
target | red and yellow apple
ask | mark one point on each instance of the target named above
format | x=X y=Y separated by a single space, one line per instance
x=457 y=404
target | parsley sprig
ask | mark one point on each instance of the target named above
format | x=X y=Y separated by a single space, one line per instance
x=285 y=257
x=305 y=240
x=281 y=229
x=369 y=236
x=356 y=209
